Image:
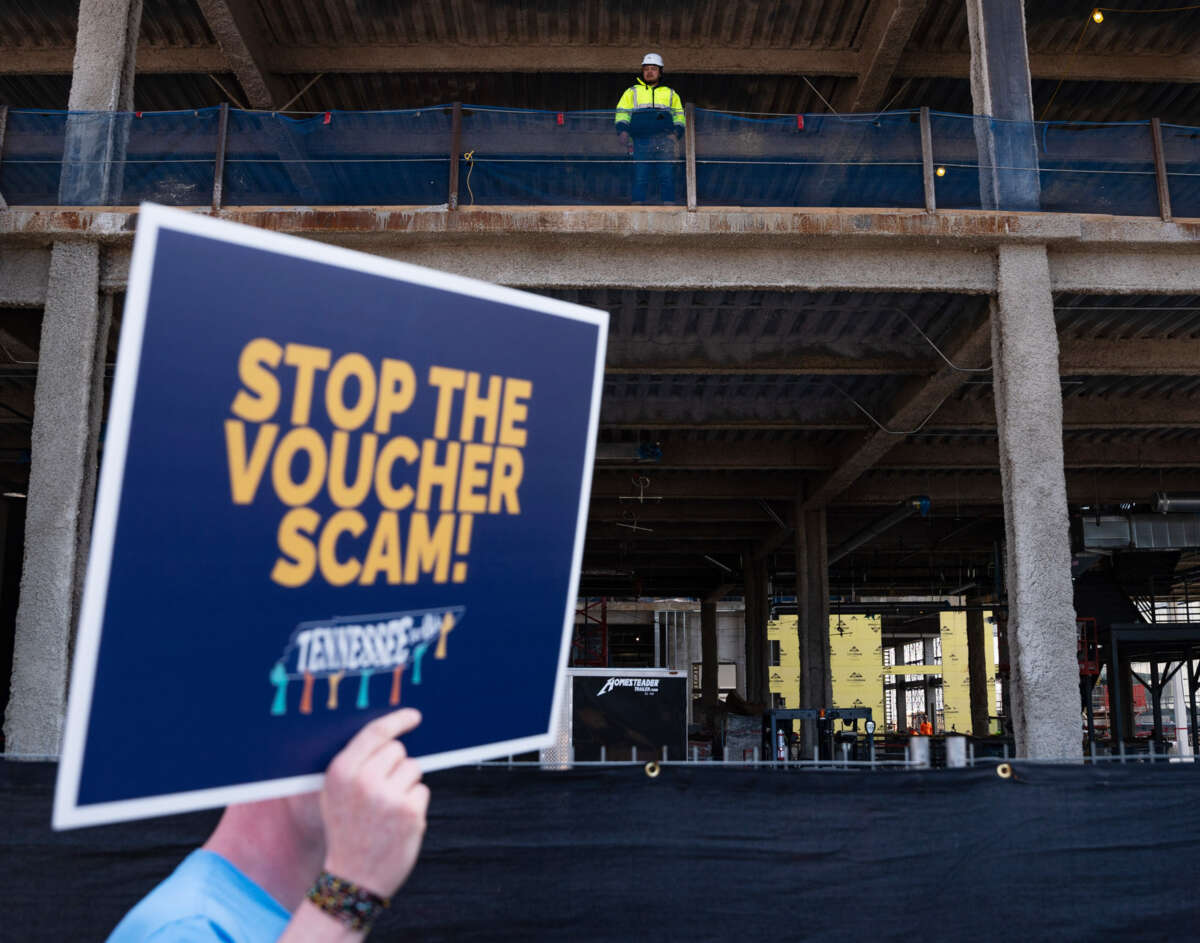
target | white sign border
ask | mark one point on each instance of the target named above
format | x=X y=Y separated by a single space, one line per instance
x=152 y=218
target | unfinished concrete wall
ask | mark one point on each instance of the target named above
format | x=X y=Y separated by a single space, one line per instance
x=1041 y=614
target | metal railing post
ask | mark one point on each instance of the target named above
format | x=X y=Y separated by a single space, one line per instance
x=689 y=152
x=1160 y=171
x=3 y=125
x=218 y=190
x=927 y=162
x=455 y=147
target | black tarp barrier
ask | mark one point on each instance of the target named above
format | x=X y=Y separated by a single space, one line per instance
x=1054 y=853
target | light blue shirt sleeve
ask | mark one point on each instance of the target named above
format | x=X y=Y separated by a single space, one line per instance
x=205 y=900
x=190 y=930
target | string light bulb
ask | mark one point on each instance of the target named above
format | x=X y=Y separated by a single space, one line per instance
x=941 y=171
x=1097 y=15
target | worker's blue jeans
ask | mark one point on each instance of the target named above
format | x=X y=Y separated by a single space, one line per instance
x=657 y=153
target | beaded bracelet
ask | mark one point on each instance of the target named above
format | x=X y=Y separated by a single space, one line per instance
x=355 y=906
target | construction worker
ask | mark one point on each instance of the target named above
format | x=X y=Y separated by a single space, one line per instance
x=649 y=120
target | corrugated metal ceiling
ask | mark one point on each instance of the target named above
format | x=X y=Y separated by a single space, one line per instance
x=847 y=323
x=769 y=23
x=1053 y=28
x=1053 y=25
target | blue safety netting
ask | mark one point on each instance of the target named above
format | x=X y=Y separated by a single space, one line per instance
x=544 y=157
x=1181 y=151
x=1057 y=167
x=526 y=157
x=809 y=160
x=62 y=158
x=346 y=158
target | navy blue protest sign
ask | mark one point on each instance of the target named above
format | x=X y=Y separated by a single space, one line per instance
x=332 y=484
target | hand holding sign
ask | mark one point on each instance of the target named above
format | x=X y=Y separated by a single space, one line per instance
x=373 y=806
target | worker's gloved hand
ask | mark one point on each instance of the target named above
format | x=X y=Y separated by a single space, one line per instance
x=678 y=132
x=623 y=137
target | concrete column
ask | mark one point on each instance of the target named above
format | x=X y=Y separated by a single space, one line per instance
x=62 y=483
x=67 y=400
x=979 y=641
x=756 y=616
x=812 y=599
x=1041 y=614
x=1001 y=89
x=708 y=656
x=102 y=81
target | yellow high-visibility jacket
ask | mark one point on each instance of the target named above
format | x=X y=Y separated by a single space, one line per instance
x=641 y=102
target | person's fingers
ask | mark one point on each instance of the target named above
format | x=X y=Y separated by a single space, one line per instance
x=404 y=774
x=379 y=765
x=419 y=797
x=375 y=735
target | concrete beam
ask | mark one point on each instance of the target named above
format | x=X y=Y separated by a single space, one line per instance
x=955 y=233
x=1045 y=675
x=151 y=60
x=443 y=57
x=773 y=357
x=1139 y=356
x=887 y=32
x=1106 y=270
x=23 y=277
x=722 y=60
x=240 y=38
x=114 y=268
x=668 y=249
x=1078 y=67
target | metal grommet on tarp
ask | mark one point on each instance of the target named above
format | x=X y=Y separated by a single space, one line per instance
x=653 y=769
x=1004 y=771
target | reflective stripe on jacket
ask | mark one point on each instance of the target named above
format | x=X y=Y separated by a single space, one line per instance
x=644 y=98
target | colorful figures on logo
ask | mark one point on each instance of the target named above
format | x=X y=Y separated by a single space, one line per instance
x=334 y=680
x=279 y=678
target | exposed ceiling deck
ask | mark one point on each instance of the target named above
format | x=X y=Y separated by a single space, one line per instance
x=858 y=55
x=703 y=450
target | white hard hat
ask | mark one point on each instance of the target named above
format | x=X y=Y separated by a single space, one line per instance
x=652 y=58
